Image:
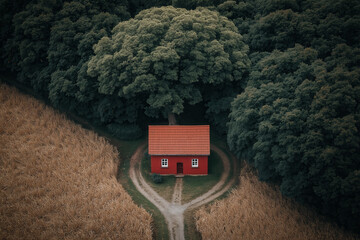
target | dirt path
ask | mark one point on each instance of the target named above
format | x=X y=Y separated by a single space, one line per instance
x=174 y=211
x=176 y=198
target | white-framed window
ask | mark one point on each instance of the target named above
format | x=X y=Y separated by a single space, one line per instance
x=164 y=162
x=194 y=162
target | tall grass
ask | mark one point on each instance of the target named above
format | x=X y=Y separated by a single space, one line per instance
x=57 y=180
x=258 y=211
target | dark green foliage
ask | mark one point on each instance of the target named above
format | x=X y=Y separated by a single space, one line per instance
x=136 y=6
x=267 y=25
x=125 y=131
x=79 y=25
x=277 y=30
x=298 y=121
x=266 y=7
x=27 y=50
x=218 y=108
x=169 y=57
x=8 y=8
x=157 y=178
x=192 y=4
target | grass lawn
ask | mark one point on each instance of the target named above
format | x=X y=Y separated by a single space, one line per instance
x=164 y=189
x=195 y=186
x=126 y=149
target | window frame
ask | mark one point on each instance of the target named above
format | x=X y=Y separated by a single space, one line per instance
x=164 y=160
x=195 y=160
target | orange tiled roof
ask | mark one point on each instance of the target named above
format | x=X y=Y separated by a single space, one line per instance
x=179 y=140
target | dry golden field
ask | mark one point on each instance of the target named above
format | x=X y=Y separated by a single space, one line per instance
x=257 y=211
x=57 y=180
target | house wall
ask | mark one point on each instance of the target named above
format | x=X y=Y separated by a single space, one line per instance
x=202 y=168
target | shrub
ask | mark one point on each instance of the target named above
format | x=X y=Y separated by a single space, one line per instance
x=157 y=178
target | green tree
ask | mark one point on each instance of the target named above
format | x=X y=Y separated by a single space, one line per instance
x=277 y=30
x=8 y=8
x=136 y=6
x=298 y=122
x=79 y=25
x=28 y=47
x=192 y=4
x=168 y=57
x=267 y=24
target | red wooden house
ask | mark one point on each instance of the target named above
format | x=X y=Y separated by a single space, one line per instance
x=179 y=149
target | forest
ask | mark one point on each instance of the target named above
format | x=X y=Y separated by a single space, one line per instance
x=280 y=79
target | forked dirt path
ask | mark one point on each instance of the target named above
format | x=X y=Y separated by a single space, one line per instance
x=174 y=211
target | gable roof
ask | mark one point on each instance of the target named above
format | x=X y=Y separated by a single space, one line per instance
x=179 y=140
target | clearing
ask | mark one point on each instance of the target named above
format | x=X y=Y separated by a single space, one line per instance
x=173 y=211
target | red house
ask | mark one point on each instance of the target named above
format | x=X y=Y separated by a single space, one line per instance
x=177 y=149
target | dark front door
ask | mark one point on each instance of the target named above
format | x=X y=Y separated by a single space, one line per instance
x=179 y=168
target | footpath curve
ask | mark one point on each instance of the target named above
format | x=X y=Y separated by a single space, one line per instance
x=173 y=211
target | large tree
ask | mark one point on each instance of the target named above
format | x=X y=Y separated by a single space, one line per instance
x=192 y=4
x=298 y=119
x=78 y=26
x=321 y=24
x=27 y=49
x=8 y=8
x=169 y=57
x=298 y=122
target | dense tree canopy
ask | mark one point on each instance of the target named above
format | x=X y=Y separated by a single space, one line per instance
x=27 y=49
x=8 y=8
x=79 y=25
x=192 y=4
x=267 y=25
x=136 y=6
x=167 y=57
x=294 y=111
x=298 y=121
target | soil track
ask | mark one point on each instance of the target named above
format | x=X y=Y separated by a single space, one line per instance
x=174 y=211
x=176 y=198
